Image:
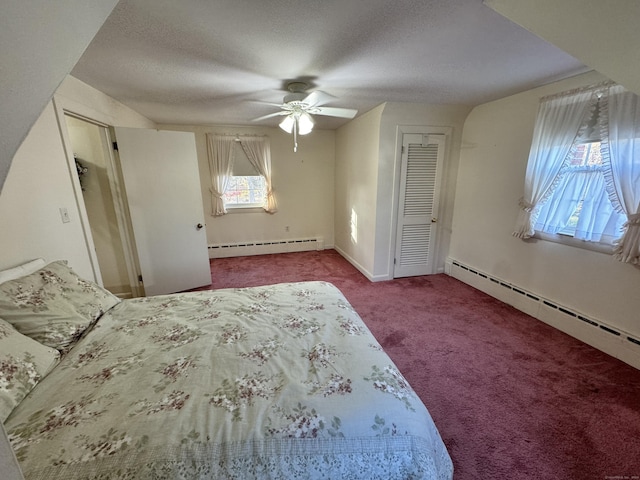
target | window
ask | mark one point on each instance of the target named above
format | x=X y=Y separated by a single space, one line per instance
x=586 y=159
x=245 y=191
x=240 y=167
x=579 y=206
x=582 y=184
x=246 y=187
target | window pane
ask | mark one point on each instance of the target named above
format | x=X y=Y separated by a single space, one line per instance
x=245 y=191
x=586 y=154
x=572 y=224
x=579 y=206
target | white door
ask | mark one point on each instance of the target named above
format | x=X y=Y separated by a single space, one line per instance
x=160 y=171
x=422 y=157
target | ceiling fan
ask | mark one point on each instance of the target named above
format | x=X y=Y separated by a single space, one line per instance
x=298 y=107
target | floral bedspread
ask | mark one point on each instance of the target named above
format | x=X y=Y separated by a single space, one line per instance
x=280 y=381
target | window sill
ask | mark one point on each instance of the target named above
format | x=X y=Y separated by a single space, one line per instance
x=574 y=242
x=247 y=209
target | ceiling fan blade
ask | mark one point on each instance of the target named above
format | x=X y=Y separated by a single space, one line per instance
x=317 y=98
x=271 y=115
x=335 y=112
x=257 y=102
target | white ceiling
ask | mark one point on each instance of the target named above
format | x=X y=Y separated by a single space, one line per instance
x=205 y=62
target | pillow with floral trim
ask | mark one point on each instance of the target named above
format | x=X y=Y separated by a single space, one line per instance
x=53 y=305
x=23 y=363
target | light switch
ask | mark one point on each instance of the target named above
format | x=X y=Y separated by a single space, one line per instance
x=64 y=214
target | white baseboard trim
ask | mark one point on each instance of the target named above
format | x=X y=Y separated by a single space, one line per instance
x=359 y=267
x=264 y=247
x=597 y=333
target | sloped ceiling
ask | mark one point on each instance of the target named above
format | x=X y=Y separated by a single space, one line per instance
x=40 y=42
x=604 y=35
x=203 y=62
x=197 y=62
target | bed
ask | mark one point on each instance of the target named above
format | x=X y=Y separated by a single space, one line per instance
x=279 y=381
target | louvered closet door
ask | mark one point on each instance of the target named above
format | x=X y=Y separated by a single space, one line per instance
x=418 y=204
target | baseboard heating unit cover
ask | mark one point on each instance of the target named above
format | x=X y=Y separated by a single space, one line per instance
x=592 y=331
x=265 y=247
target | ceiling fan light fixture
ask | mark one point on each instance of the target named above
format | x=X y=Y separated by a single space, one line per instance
x=299 y=108
x=287 y=123
x=305 y=123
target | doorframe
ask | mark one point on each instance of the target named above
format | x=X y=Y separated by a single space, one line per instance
x=77 y=192
x=123 y=216
x=401 y=130
x=118 y=193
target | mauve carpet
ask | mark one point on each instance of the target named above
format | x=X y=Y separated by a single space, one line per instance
x=512 y=397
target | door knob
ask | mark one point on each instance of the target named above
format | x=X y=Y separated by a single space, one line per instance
x=199 y=226
x=434 y=220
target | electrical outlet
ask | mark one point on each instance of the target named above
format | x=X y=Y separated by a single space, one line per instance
x=64 y=214
x=286 y=229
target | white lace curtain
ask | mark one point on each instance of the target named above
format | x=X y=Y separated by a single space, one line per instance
x=220 y=153
x=557 y=124
x=561 y=123
x=597 y=222
x=220 y=150
x=621 y=142
x=258 y=151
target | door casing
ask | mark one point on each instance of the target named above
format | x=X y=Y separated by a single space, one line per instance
x=401 y=130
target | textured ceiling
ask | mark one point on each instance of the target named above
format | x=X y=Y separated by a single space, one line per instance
x=205 y=62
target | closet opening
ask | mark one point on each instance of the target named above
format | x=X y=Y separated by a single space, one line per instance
x=103 y=197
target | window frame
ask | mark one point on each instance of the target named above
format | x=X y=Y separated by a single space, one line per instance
x=246 y=207
x=570 y=241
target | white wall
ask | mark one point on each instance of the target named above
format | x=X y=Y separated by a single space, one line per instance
x=367 y=180
x=496 y=141
x=78 y=97
x=302 y=182
x=356 y=179
x=433 y=118
x=40 y=182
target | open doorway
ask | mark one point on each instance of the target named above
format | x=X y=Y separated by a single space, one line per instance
x=90 y=143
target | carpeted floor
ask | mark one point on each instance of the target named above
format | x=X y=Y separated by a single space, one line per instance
x=512 y=397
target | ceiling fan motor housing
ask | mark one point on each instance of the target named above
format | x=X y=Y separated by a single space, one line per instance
x=294 y=97
x=298 y=92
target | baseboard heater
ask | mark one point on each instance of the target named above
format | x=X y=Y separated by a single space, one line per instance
x=265 y=247
x=589 y=330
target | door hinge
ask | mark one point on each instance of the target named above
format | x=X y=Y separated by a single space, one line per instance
x=115 y=146
x=402 y=151
x=394 y=261
x=140 y=278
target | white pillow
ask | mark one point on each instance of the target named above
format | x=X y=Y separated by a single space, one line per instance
x=21 y=270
